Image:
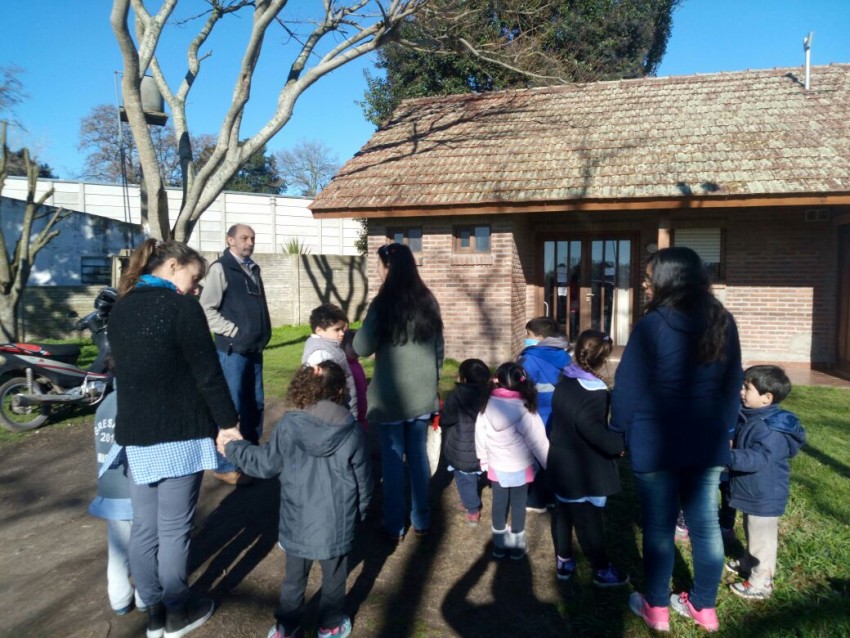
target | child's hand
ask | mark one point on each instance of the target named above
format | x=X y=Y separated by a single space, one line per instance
x=226 y=436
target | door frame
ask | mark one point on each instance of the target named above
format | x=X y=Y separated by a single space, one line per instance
x=586 y=237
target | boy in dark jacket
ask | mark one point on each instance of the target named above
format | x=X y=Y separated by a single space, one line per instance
x=544 y=357
x=766 y=438
x=457 y=419
x=320 y=455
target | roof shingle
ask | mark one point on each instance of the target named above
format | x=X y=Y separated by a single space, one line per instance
x=742 y=133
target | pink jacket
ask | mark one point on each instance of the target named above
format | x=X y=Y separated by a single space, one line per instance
x=508 y=437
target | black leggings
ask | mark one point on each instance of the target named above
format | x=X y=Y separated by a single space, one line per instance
x=588 y=521
x=516 y=498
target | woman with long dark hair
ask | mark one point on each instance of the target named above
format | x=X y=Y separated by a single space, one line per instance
x=676 y=396
x=404 y=330
x=172 y=399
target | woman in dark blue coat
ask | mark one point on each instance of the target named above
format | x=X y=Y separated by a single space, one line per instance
x=676 y=396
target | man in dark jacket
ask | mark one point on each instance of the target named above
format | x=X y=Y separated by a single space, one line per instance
x=234 y=301
x=760 y=474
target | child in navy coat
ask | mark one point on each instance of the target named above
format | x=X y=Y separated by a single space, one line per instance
x=766 y=438
x=457 y=419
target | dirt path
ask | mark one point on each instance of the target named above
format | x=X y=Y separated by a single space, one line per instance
x=53 y=565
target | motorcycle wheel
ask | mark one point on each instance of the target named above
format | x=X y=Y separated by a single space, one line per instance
x=19 y=418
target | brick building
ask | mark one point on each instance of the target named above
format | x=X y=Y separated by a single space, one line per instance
x=550 y=200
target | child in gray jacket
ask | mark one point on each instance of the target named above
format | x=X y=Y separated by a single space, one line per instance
x=319 y=453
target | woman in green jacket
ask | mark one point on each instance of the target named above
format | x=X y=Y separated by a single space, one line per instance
x=404 y=330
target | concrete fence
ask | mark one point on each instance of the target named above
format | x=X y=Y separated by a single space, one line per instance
x=295 y=284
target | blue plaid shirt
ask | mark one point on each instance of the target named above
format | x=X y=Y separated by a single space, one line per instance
x=152 y=463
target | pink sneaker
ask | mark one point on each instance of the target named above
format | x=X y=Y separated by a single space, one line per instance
x=657 y=618
x=705 y=618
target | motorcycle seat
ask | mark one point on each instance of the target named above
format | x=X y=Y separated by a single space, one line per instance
x=58 y=351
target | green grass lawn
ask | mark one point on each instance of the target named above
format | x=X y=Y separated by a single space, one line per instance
x=812 y=593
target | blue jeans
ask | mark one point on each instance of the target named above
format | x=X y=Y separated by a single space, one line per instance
x=244 y=376
x=467 y=489
x=661 y=494
x=400 y=442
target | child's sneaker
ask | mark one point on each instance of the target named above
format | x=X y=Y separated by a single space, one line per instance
x=705 y=618
x=657 y=618
x=609 y=577
x=736 y=567
x=682 y=535
x=343 y=630
x=472 y=518
x=564 y=568
x=278 y=632
x=747 y=590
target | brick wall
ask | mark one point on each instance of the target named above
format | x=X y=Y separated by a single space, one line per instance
x=475 y=292
x=295 y=284
x=781 y=285
x=781 y=277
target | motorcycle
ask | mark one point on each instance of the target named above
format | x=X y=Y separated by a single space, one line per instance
x=42 y=378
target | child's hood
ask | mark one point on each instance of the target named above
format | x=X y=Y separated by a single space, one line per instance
x=320 y=429
x=781 y=421
x=468 y=398
x=504 y=413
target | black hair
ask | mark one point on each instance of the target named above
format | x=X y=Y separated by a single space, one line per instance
x=543 y=327
x=405 y=309
x=592 y=350
x=474 y=372
x=512 y=376
x=771 y=379
x=326 y=316
x=679 y=280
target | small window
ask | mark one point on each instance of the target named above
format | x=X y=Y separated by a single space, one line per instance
x=472 y=239
x=96 y=270
x=412 y=237
x=708 y=244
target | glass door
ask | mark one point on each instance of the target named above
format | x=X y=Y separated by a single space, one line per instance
x=587 y=283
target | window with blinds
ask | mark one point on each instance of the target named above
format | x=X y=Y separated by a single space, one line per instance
x=708 y=244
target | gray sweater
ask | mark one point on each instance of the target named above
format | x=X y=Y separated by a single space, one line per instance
x=404 y=382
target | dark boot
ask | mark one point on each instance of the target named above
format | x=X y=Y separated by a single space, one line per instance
x=182 y=621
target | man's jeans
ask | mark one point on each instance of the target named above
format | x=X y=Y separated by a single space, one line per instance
x=661 y=494
x=244 y=376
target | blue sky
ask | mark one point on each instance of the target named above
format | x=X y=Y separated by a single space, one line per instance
x=69 y=58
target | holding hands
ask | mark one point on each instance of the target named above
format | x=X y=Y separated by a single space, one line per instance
x=226 y=436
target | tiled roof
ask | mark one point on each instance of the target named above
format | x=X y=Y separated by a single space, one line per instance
x=720 y=135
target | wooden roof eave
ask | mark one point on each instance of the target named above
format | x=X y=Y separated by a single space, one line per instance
x=666 y=204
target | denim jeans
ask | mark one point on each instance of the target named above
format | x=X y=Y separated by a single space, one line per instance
x=402 y=442
x=661 y=495
x=467 y=489
x=244 y=376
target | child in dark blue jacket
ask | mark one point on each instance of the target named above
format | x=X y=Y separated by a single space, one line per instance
x=766 y=438
x=544 y=358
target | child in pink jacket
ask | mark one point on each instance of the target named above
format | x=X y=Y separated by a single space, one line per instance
x=511 y=444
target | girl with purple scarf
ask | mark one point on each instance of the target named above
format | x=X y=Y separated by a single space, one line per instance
x=582 y=460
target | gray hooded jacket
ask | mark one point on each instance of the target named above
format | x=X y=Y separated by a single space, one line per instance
x=321 y=457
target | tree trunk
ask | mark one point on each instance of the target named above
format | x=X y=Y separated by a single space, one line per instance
x=9 y=315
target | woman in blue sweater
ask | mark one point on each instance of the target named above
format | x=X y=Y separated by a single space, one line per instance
x=676 y=396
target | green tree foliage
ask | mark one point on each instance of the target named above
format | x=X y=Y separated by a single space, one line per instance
x=483 y=45
x=16 y=165
x=258 y=175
